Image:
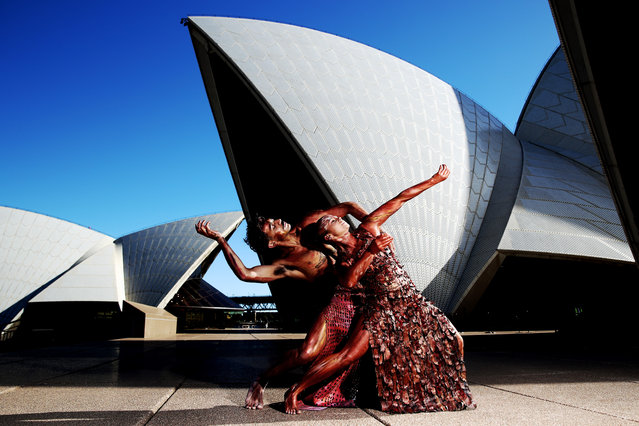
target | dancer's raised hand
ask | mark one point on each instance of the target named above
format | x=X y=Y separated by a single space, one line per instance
x=442 y=173
x=382 y=241
x=202 y=228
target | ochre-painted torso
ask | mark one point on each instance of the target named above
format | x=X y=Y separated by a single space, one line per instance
x=311 y=263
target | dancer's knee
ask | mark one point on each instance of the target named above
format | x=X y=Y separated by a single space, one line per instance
x=307 y=354
x=314 y=343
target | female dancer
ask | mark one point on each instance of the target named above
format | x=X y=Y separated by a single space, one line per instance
x=417 y=352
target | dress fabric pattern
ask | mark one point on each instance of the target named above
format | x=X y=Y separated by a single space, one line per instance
x=341 y=390
x=418 y=361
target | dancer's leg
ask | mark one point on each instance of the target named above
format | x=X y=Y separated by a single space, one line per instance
x=355 y=348
x=310 y=349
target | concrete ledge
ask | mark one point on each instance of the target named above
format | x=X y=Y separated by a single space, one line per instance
x=147 y=321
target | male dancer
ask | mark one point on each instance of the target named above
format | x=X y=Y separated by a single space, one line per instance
x=292 y=260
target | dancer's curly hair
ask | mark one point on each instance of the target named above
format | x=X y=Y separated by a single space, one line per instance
x=255 y=237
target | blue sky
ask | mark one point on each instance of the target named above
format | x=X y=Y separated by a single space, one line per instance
x=104 y=120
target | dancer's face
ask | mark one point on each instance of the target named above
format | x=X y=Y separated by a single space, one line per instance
x=333 y=226
x=275 y=229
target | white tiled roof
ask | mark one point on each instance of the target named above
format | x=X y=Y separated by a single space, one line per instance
x=563 y=208
x=554 y=117
x=34 y=250
x=158 y=260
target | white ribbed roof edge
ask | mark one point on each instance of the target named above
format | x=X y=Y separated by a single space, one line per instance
x=563 y=208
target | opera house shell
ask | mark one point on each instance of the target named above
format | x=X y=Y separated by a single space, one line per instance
x=50 y=265
x=308 y=119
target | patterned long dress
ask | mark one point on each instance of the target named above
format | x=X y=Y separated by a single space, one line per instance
x=418 y=362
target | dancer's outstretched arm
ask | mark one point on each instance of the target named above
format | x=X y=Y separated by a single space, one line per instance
x=340 y=210
x=374 y=220
x=257 y=274
x=279 y=268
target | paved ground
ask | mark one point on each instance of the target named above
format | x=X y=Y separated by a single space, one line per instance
x=202 y=379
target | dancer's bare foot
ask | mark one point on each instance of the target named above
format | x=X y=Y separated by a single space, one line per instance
x=291 y=404
x=255 y=396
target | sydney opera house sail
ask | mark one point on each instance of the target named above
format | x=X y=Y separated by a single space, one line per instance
x=35 y=251
x=46 y=261
x=158 y=260
x=309 y=119
x=564 y=196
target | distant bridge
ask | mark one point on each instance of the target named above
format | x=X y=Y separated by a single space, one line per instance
x=256 y=303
